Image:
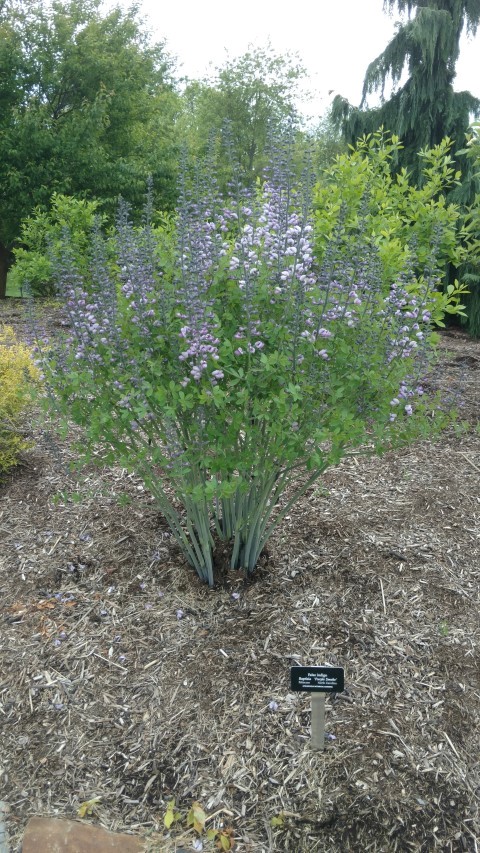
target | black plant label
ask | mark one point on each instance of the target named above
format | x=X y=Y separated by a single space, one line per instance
x=317 y=679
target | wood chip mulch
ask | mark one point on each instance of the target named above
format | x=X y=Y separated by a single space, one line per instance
x=123 y=678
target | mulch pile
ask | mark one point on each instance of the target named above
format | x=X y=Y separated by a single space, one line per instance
x=126 y=681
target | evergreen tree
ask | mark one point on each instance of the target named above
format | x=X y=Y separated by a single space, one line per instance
x=425 y=109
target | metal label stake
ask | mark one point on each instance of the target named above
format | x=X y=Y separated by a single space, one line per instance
x=318 y=721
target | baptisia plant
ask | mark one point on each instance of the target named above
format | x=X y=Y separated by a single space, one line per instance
x=233 y=371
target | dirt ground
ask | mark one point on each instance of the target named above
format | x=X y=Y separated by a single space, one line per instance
x=123 y=678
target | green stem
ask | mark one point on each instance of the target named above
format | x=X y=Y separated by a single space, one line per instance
x=238 y=522
x=256 y=520
x=295 y=497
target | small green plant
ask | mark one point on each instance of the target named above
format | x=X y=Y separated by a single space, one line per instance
x=196 y=819
x=124 y=500
x=89 y=807
x=17 y=374
x=75 y=497
x=172 y=815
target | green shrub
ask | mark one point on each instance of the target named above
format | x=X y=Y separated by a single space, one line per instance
x=41 y=237
x=403 y=221
x=17 y=373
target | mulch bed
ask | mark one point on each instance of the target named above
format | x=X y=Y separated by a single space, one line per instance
x=123 y=678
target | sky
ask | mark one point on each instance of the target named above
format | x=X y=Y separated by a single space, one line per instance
x=335 y=39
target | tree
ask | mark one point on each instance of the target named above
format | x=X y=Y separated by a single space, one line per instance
x=80 y=95
x=254 y=94
x=328 y=143
x=470 y=235
x=426 y=108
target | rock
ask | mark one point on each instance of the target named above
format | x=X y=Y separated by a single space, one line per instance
x=51 y=835
x=3 y=830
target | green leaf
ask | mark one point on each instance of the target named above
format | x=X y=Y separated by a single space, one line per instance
x=171 y=815
x=88 y=807
x=196 y=817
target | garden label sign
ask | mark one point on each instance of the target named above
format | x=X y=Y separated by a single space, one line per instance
x=317 y=680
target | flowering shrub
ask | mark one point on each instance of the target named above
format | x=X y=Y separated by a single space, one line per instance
x=232 y=378
x=17 y=371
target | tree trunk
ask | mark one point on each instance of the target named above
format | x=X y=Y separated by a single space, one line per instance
x=5 y=263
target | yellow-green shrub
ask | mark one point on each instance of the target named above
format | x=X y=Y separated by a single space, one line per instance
x=362 y=191
x=17 y=373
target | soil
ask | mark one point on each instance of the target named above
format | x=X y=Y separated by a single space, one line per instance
x=127 y=682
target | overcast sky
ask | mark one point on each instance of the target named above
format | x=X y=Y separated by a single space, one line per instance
x=335 y=39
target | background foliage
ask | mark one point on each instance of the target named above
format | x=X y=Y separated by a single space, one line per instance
x=86 y=109
x=424 y=109
x=90 y=108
